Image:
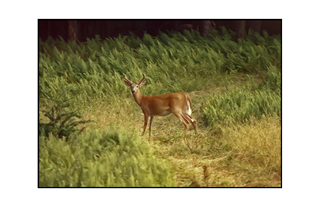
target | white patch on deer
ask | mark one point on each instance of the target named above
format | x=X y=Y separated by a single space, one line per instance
x=191 y=118
x=189 y=108
x=164 y=113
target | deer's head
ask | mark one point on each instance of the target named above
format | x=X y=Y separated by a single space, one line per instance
x=134 y=86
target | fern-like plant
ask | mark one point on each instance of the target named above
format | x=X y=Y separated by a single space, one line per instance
x=63 y=121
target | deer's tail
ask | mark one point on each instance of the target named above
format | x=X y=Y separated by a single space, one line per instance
x=189 y=105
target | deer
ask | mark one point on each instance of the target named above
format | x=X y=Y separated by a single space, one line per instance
x=178 y=104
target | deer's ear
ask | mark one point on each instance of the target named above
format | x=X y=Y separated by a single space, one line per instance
x=127 y=83
x=142 y=83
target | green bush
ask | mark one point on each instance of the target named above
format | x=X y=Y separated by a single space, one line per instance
x=63 y=121
x=273 y=79
x=251 y=101
x=101 y=159
x=240 y=105
x=95 y=68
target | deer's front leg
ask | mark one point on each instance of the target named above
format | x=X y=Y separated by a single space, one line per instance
x=146 y=117
x=150 y=126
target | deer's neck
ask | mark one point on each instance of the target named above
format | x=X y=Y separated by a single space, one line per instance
x=138 y=97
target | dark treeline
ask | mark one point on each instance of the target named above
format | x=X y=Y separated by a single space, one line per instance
x=82 y=29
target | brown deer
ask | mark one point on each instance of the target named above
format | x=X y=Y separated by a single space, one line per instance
x=162 y=105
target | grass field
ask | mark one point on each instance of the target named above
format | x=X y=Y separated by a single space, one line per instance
x=235 y=88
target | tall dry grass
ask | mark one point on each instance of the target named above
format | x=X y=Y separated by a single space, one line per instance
x=246 y=156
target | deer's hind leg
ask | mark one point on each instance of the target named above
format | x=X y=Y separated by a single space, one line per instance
x=192 y=120
x=183 y=119
x=187 y=114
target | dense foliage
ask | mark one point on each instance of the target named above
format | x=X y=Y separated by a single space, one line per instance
x=81 y=82
x=95 y=68
x=100 y=159
x=251 y=101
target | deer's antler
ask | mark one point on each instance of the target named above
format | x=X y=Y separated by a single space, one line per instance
x=144 y=76
x=125 y=77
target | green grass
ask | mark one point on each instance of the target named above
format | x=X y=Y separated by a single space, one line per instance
x=95 y=68
x=241 y=104
x=235 y=88
x=101 y=159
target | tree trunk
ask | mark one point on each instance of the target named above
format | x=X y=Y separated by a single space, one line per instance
x=241 y=29
x=72 y=30
x=206 y=25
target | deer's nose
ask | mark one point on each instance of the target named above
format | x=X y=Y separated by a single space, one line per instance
x=133 y=91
